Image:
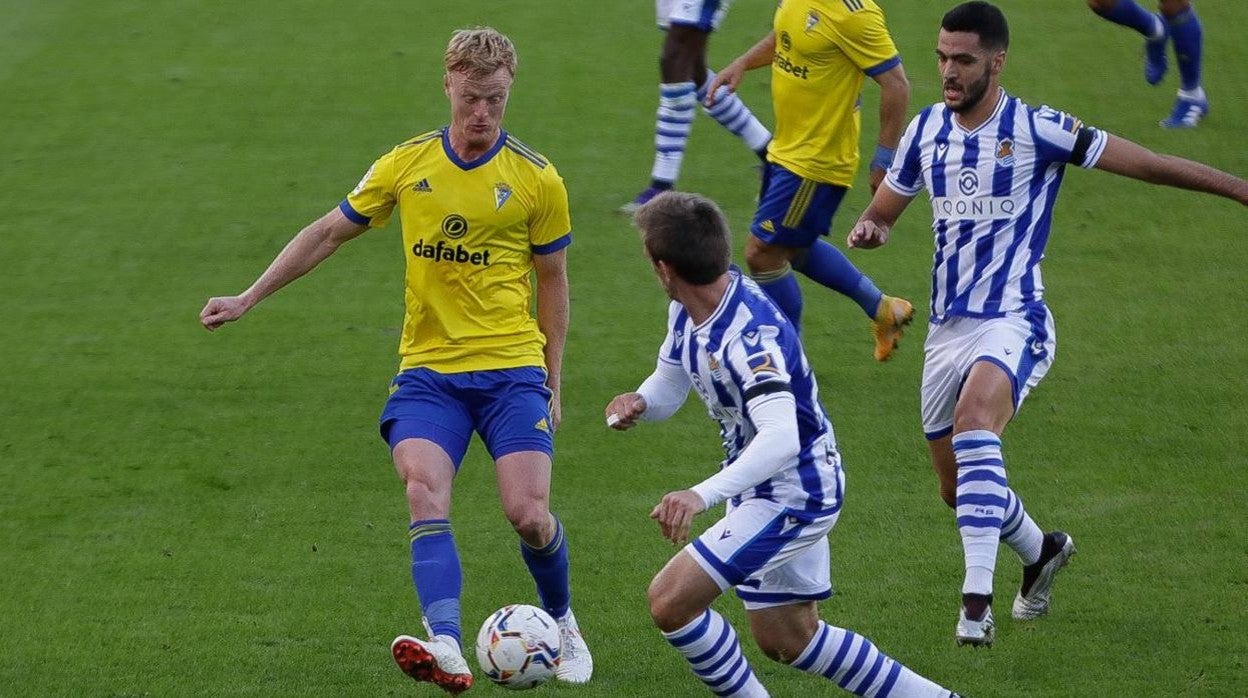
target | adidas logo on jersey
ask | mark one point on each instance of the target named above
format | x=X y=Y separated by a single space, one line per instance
x=422 y=186
x=767 y=225
x=542 y=425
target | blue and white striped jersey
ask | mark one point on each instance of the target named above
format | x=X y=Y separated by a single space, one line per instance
x=747 y=348
x=992 y=192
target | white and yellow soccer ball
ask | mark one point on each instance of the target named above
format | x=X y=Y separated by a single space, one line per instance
x=518 y=647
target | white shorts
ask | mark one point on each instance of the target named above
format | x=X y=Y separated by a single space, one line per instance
x=1022 y=344
x=773 y=555
x=703 y=14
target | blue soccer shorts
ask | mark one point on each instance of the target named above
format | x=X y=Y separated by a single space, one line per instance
x=509 y=409
x=793 y=211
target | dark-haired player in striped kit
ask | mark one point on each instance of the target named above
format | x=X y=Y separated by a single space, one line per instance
x=992 y=166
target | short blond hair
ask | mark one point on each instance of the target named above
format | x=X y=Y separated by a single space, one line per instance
x=479 y=51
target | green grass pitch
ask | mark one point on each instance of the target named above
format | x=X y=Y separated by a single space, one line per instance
x=192 y=514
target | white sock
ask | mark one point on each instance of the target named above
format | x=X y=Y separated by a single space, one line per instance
x=710 y=644
x=1196 y=95
x=1019 y=531
x=732 y=114
x=1159 y=28
x=858 y=666
x=672 y=123
x=981 y=504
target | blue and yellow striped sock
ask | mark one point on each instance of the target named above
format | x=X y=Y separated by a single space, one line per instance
x=437 y=575
x=781 y=287
x=549 y=567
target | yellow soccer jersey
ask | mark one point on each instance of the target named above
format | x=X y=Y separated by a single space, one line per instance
x=470 y=230
x=823 y=50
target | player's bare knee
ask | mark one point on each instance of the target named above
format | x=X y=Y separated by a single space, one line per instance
x=975 y=412
x=420 y=492
x=949 y=493
x=762 y=258
x=532 y=523
x=1170 y=8
x=664 y=607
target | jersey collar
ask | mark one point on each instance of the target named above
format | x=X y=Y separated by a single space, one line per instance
x=734 y=273
x=1002 y=98
x=486 y=157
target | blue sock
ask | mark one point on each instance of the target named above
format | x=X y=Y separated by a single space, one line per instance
x=549 y=567
x=781 y=286
x=828 y=266
x=1129 y=14
x=437 y=575
x=1188 y=42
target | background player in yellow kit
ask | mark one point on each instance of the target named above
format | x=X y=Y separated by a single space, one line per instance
x=820 y=51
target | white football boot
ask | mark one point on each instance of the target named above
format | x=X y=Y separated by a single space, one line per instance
x=977 y=633
x=1032 y=600
x=575 y=663
x=435 y=661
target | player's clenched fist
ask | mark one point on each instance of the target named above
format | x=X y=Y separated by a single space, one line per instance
x=219 y=311
x=867 y=234
x=624 y=410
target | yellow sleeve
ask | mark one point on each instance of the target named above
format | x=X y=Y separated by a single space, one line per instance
x=550 y=225
x=373 y=199
x=864 y=38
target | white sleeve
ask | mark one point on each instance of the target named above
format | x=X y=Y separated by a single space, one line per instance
x=774 y=447
x=1063 y=138
x=905 y=175
x=664 y=391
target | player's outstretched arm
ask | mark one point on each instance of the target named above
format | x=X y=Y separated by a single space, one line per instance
x=874 y=224
x=552 y=320
x=730 y=76
x=304 y=251
x=894 y=99
x=1123 y=157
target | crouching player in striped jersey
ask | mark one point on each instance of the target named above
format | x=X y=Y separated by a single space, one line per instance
x=992 y=166
x=782 y=477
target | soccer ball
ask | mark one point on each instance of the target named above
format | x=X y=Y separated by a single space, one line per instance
x=518 y=647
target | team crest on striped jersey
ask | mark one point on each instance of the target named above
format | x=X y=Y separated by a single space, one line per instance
x=502 y=192
x=1005 y=152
